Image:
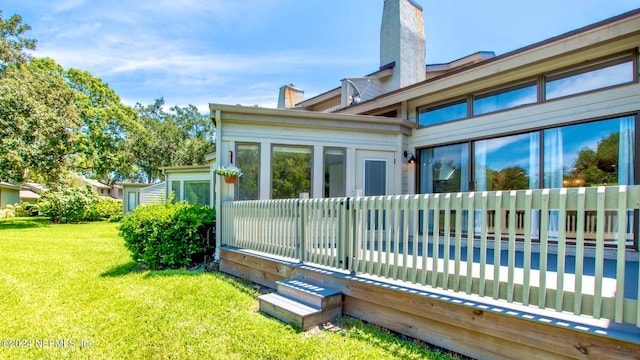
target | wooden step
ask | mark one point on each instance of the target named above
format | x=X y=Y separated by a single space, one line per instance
x=310 y=294
x=295 y=312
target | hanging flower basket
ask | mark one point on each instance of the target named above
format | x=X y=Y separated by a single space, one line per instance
x=229 y=172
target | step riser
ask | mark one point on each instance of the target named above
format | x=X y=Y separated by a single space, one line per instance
x=303 y=322
x=325 y=302
x=302 y=304
x=281 y=314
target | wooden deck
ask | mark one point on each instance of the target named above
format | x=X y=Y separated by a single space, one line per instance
x=479 y=327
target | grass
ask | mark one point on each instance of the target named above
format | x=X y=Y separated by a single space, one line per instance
x=71 y=291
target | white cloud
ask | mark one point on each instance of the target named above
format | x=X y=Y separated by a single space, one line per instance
x=66 y=5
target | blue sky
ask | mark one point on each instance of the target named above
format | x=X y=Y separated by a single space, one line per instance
x=242 y=51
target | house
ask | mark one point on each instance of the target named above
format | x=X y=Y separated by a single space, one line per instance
x=542 y=116
x=192 y=183
x=9 y=194
x=104 y=190
x=136 y=194
x=478 y=241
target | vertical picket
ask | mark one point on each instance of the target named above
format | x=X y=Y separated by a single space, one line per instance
x=497 y=245
x=528 y=197
x=580 y=215
x=621 y=252
x=562 y=243
x=599 y=261
x=544 y=248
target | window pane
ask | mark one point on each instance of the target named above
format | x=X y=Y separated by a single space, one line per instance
x=132 y=201
x=592 y=154
x=334 y=173
x=248 y=159
x=291 y=171
x=175 y=188
x=505 y=100
x=590 y=80
x=375 y=177
x=197 y=192
x=507 y=163
x=443 y=114
x=444 y=169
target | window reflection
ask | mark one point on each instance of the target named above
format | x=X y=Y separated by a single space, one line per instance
x=248 y=159
x=507 y=163
x=197 y=192
x=334 y=173
x=592 y=154
x=291 y=171
x=589 y=80
x=505 y=100
x=444 y=169
x=442 y=114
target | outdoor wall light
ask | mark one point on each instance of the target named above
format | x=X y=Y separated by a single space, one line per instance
x=412 y=158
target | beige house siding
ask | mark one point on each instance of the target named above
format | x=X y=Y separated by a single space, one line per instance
x=9 y=194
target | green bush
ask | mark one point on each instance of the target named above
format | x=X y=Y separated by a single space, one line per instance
x=68 y=205
x=169 y=236
x=104 y=209
x=23 y=210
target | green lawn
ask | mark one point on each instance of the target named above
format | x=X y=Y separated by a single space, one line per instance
x=71 y=291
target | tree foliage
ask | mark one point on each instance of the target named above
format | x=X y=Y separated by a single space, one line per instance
x=12 y=43
x=181 y=136
x=101 y=149
x=53 y=121
x=596 y=167
x=38 y=122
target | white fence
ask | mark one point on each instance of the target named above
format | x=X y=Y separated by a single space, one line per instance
x=446 y=241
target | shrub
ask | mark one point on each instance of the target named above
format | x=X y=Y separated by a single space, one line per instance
x=168 y=236
x=22 y=210
x=68 y=205
x=104 y=209
x=7 y=213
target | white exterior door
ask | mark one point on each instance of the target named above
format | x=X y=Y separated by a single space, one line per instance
x=374 y=172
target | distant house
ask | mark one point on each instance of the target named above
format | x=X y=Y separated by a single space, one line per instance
x=34 y=187
x=193 y=184
x=102 y=189
x=136 y=194
x=28 y=196
x=9 y=194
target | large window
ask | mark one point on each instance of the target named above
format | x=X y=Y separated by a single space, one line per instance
x=334 y=172
x=442 y=114
x=591 y=154
x=444 y=169
x=588 y=154
x=505 y=99
x=600 y=76
x=290 y=171
x=507 y=163
x=248 y=159
x=197 y=192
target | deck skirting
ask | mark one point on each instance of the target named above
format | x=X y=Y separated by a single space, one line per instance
x=477 y=327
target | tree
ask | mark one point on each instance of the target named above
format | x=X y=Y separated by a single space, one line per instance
x=181 y=137
x=599 y=166
x=12 y=44
x=38 y=123
x=101 y=149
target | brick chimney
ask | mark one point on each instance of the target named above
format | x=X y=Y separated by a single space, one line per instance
x=402 y=42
